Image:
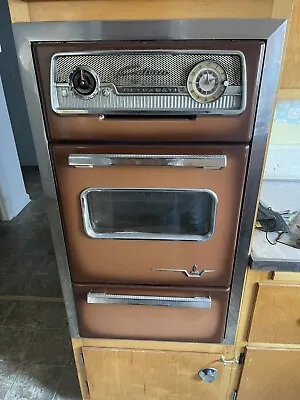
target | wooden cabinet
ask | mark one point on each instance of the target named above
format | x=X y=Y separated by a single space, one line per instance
x=276 y=317
x=42 y=10
x=270 y=374
x=127 y=374
x=269 y=336
x=290 y=76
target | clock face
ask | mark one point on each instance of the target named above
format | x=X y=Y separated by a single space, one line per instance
x=207 y=81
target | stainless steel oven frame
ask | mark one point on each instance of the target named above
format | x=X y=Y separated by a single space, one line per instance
x=272 y=32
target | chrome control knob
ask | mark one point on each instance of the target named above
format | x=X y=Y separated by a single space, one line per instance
x=208 y=375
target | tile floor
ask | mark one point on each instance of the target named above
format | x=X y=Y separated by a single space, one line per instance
x=36 y=360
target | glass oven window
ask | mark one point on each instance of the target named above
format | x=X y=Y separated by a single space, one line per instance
x=162 y=214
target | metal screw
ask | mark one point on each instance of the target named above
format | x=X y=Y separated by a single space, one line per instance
x=105 y=92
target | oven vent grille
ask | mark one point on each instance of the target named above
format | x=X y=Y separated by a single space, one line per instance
x=124 y=68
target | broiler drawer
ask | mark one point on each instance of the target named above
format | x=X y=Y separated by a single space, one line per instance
x=160 y=313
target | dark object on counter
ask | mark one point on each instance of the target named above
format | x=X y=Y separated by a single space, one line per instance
x=292 y=238
x=270 y=220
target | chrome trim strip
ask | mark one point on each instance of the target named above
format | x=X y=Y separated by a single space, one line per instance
x=162 y=301
x=89 y=230
x=262 y=127
x=148 y=160
x=194 y=273
x=147 y=104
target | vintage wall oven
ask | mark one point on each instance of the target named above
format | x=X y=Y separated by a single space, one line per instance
x=150 y=139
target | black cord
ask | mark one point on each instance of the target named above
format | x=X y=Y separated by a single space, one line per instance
x=275 y=242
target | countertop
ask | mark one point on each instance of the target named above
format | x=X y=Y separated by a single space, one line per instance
x=280 y=195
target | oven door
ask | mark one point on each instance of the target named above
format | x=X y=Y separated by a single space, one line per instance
x=150 y=215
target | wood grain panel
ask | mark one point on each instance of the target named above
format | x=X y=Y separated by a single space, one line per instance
x=291 y=77
x=18 y=11
x=270 y=374
x=286 y=276
x=143 y=375
x=148 y=9
x=252 y=278
x=282 y=9
x=81 y=373
x=276 y=317
x=288 y=94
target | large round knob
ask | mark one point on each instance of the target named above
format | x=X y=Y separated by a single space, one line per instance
x=208 y=375
x=84 y=82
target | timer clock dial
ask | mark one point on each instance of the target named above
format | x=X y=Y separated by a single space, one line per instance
x=84 y=82
x=207 y=81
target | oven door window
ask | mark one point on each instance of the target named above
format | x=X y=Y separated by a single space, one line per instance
x=149 y=214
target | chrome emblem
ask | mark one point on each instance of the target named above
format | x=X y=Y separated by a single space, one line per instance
x=137 y=70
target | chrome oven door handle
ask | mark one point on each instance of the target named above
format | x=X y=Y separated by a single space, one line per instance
x=148 y=160
x=188 y=302
x=194 y=273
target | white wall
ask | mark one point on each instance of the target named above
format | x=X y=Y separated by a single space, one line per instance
x=283 y=161
x=13 y=196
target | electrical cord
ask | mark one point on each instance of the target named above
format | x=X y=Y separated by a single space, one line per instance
x=275 y=241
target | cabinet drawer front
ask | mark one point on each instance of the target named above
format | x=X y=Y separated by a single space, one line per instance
x=115 y=374
x=196 y=315
x=276 y=317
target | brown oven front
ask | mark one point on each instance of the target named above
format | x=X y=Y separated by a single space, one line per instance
x=149 y=144
x=152 y=215
x=165 y=127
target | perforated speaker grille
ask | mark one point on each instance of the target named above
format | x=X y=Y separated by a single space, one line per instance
x=127 y=68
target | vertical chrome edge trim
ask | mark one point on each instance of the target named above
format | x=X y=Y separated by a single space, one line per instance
x=27 y=70
x=270 y=30
x=144 y=236
x=244 y=81
x=262 y=129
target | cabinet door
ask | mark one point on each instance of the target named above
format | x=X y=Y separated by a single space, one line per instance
x=114 y=374
x=276 y=317
x=270 y=374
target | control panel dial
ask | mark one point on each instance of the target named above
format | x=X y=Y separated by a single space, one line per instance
x=84 y=82
x=207 y=81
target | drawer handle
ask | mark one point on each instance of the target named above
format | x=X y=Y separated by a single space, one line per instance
x=189 y=302
x=194 y=273
x=148 y=160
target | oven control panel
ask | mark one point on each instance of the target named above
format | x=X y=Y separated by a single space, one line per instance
x=156 y=81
